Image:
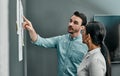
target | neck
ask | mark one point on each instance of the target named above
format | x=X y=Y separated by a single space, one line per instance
x=75 y=34
x=92 y=46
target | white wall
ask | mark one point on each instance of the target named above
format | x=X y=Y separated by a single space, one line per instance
x=4 y=39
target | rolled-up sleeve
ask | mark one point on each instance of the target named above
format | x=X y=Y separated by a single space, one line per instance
x=46 y=42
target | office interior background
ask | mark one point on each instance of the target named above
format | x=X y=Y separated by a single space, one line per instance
x=49 y=18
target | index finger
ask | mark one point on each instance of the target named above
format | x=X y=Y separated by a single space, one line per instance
x=25 y=18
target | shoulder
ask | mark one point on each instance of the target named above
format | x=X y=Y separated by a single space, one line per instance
x=64 y=36
x=97 y=59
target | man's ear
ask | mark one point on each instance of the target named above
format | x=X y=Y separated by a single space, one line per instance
x=82 y=27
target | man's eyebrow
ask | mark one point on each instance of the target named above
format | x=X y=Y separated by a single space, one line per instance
x=70 y=19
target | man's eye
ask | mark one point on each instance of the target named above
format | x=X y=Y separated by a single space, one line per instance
x=75 y=22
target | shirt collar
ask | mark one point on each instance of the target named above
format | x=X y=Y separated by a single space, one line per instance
x=78 y=37
x=92 y=52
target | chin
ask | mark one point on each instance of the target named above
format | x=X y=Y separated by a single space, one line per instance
x=71 y=32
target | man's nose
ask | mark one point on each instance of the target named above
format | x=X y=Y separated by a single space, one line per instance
x=71 y=24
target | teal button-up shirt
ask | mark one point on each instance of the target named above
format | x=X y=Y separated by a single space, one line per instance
x=70 y=52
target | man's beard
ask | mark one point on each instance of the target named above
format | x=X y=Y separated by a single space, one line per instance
x=72 y=31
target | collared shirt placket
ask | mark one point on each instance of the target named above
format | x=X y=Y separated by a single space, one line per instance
x=68 y=53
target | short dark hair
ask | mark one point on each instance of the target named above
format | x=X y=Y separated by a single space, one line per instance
x=97 y=32
x=82 y=16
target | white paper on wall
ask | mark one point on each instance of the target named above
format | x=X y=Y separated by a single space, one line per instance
x=20 y=29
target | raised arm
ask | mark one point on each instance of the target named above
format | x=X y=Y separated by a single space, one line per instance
x=28 y=25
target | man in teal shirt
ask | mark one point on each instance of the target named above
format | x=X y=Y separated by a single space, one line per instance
x=70 y=49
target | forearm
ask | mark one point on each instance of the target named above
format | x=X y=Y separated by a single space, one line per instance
x=33 y=35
